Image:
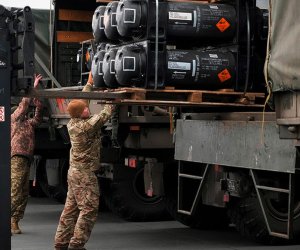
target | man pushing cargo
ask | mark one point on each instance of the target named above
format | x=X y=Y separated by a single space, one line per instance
x=22 y=147
x=81 y=207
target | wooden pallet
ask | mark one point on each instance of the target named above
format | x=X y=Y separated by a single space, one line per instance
x=168 y=97
x=175 y=97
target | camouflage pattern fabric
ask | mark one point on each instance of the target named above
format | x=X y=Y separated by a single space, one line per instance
x=115 y=124
x=80 y=211
x=85 y=139
x=19 y=186
x=22 y=128
x=81 y=207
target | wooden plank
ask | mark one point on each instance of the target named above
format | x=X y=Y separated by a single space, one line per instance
x=149 y=97
x=190 y=91
x=183 y=103
x=71 y=93
x=138 y=95
x=75 y=15
x=73 y=36
x=195 y=97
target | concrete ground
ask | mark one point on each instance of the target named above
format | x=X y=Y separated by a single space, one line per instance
x=113 y=233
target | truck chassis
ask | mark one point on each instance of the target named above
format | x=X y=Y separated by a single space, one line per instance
x=245 y=168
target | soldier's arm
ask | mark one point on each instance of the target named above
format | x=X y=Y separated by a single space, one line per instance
x=94 y=123
x=21 y=109
x=88 y=87
x=37 y=119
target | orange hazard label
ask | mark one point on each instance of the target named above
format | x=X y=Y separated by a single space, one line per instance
x=87 y=56
x=224 y=75
x=60 y=104
x=223 y=24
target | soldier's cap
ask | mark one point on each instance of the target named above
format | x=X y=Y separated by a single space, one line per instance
x=76 y=107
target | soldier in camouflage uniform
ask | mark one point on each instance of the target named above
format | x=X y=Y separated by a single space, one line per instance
x=22 y=146
x=81 y=207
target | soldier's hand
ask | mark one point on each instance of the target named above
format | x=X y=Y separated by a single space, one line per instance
x=90 y=79
x=37 y=79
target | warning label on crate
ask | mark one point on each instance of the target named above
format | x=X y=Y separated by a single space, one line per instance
x=223 y=24
x=179 y=65
x=224 y=75
x=2 y=114
x=182 y=16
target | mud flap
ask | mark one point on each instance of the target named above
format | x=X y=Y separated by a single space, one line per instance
x=33 y=169
x=153 y=177
x=52 y=170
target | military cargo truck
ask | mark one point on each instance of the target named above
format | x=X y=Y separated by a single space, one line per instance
x=141 y=133
x=234 y=157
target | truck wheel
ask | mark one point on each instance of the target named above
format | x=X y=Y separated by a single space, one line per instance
x=41 y=182
x=35 y=190
x=126 y=197
x=247 y=216
x=39 y=187
x=59 y=192
x=206 y=217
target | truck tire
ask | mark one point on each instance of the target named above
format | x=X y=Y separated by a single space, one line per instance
x=41 y=183
x=205 y=217
x=125 y=196
x=248 y=218
x=59 y=192
x=35 y=190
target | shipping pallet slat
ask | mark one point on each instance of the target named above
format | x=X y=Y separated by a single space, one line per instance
x=169 y=97
x=194 y=97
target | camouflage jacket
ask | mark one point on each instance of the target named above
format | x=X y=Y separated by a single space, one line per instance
x=85 y=138
x=22 y=128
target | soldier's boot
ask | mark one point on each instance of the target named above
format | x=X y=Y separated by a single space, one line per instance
x=14 y=227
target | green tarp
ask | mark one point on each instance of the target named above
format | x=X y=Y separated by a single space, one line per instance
x=42 y=38
x=283 y=61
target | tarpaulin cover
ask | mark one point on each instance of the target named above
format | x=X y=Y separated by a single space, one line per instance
x=283 y=61
x=42 y=38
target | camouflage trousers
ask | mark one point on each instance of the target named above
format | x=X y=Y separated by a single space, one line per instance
x=20 y=169
x=80 y=211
